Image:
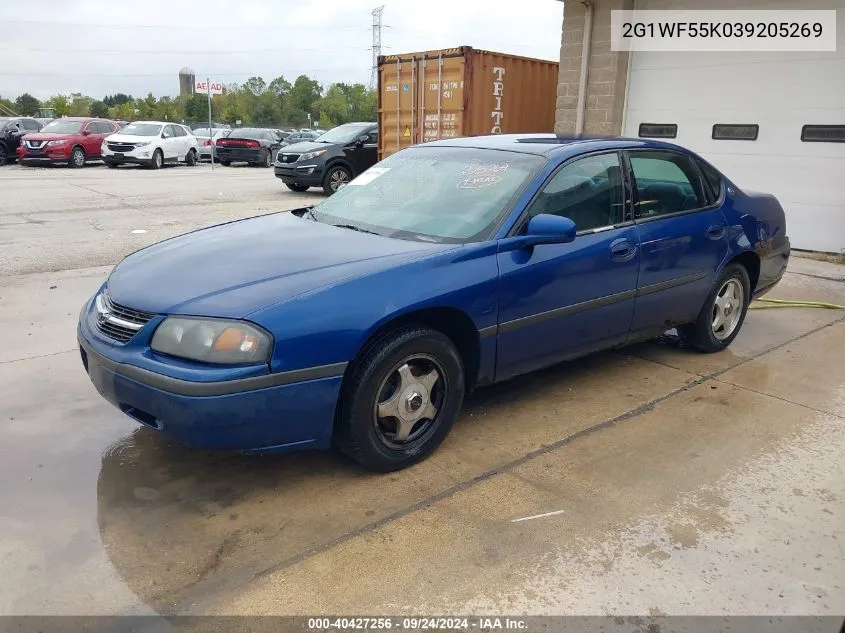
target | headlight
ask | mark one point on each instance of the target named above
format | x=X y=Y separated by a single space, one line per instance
x=311 y=155
x=144 y=144
x=212 y=340
x=56 y=142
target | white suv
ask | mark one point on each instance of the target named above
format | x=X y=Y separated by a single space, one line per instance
x=150 y=143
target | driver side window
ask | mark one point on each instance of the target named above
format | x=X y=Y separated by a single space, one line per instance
x=168 y=132
x=588 y=191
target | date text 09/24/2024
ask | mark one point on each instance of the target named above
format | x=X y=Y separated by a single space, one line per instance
x=417 y=623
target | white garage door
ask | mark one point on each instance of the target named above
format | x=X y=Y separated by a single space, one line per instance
x=779 y=92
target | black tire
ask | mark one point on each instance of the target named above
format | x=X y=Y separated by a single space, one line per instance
x=703 y=334
x=110 y=164
x=4 y=154
x=157 y=160
x=362 y=434
x=77 y=158
x=225 y=163
x=191 y=158
x=336 y=177
x=297 y=188
x=268 y=159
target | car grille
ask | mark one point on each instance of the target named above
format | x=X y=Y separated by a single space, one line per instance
x=121 y=147
x=34 y=144
x=119 y=322
x=288 y=158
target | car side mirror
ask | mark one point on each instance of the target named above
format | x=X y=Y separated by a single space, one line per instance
x=543 y=228
x=359 y=142
x=86 y=132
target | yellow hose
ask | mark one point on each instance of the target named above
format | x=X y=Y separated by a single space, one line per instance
x=781 y=303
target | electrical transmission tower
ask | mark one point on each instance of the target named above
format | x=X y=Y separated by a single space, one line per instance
x=377 y=26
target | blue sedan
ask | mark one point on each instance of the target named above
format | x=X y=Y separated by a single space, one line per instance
x=363 y=321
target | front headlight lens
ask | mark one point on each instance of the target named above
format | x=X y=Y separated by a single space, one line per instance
x=144 y=144
x=212 y=341
x=56 y=142
x=311 y=155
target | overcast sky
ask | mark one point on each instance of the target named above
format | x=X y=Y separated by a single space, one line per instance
x=100 y=47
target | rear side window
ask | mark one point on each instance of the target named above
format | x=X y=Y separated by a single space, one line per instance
x=667 y=183
x=712 y=179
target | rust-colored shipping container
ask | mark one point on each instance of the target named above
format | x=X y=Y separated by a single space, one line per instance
x=462 y=92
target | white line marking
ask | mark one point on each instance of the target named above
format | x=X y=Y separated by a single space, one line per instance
x=538 y=516
x=138 y=231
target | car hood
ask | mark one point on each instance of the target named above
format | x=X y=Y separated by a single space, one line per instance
x=234 y=269
x=130 y=138
x=306 y=146
x=42 y=136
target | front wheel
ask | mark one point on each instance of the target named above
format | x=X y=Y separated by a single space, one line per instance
x=401 y=399
x=336 y=178
x=77 y=158
x=723 y=313
x=4 y=154
x=191 y=158
x=158 y=160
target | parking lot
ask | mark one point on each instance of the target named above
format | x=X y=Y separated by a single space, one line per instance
x=646 y=480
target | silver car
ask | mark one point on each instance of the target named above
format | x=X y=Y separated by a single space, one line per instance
x=206 y=139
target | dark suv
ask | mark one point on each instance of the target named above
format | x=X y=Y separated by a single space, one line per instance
x=12 y=130
x=331 y=160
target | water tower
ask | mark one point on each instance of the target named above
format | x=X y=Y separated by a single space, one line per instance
x=187 y=82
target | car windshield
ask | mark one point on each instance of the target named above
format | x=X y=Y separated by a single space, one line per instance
x=435 y=194
x=141 y=129
x=63 y=127
x=249 y=132
x=342 y=134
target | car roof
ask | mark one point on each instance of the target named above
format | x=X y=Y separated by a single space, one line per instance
x=545 y=144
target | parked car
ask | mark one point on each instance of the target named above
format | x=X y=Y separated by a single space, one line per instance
x=480 y=258
x=256 y=146
x=12 y=130
x=150 y=143
x=329 y=161
x=72 y=141
x=299 y=137
x=205 y=138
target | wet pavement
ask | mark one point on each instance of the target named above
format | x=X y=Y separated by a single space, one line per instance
x=648 y=480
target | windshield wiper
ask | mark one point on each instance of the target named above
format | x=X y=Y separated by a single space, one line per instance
x=311 y=213
x=355 y=228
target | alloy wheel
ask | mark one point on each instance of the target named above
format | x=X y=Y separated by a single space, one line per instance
x=409 y=400
x=727 y=309
x=338 y=179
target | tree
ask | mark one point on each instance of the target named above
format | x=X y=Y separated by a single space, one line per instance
x=334 y=107
x=60 y=104
x=123 y=112
x=166 y=109
x=117 y=99
x=279 y=86
x=304 y=93
x=256 y=85
x=26 y=104
x=99 y=109
x=80 y=105
x=146 y=107
x=196 y=108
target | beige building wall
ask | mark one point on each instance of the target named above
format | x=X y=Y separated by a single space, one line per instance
x=607 y=71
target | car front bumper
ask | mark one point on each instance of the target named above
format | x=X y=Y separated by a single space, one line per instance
x=44 y=156
x=242 y=414
x=138 y=156
x=307 y=174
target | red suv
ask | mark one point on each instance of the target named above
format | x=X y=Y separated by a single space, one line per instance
x=69 y=140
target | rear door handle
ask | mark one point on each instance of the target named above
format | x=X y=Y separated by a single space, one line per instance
x=716 y=232
x=622 y=250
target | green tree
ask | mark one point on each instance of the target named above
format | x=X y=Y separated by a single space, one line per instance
x=279 y=86
x=99 y=109
x=304 y=93
x=6 y=107
x=146 y=107
x=196 y=108
x=166 y=109
x=123 y=112
x=60 y=103
x=334 y=107
x=256 y=85
x=80 y=105
x=267 y=110
x=26 y=104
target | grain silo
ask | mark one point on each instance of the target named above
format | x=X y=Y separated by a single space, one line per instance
x=187 y=81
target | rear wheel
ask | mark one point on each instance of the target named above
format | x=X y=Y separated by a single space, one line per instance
x=77 y=158
x=268 y=159
x=297 y=188
x=336 y=178
x=191 y=158
x=723 y=313
x=401 y=399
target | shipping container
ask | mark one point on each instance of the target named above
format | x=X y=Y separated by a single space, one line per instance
x=462 y=92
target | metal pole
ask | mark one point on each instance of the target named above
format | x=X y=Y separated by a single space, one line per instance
x=439 y=91
x=210 y=129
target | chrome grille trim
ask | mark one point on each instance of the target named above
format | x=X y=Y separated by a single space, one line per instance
x=119 y=322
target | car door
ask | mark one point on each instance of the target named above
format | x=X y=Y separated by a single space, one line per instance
x=558 y=301
x=169 y=142
x=683 y=240
x=92 y=138
x=363 y=155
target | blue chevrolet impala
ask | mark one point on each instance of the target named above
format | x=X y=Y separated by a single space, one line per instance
x=362 y=322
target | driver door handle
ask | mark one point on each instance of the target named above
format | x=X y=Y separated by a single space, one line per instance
x=622 y=250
